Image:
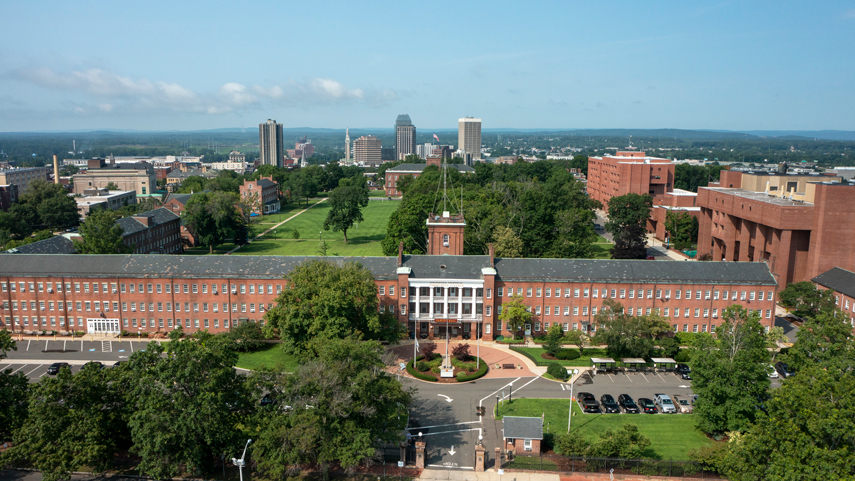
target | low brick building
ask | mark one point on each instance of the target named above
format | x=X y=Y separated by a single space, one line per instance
x=265 y=191
x=522 y=435
x=415 y=170
x=842 y=282
x=154 y=232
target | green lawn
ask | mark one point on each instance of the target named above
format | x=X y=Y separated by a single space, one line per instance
x=601 y=251
x=363 y=240
x=672 y=436
x=584 y=360
x=271 y=356
x=269 y=221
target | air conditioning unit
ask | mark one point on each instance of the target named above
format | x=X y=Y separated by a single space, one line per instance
x=216 y=293
x=50 y=291
x=115 y=291
x=715 y=316
x=667 y=297
x=566 y=295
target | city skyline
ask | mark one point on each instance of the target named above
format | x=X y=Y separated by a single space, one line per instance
x=730 y=66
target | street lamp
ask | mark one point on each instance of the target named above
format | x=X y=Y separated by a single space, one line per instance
x=240 y=463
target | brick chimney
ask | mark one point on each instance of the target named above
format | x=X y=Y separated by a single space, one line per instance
x=144 y=220
x=401 y=254
x=492 y=254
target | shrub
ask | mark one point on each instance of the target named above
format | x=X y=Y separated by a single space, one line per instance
x=422 y=366
x=427 y=350
x=418 y=375
x=683 y=356
x=500 y=338
x=461 y=352
x=567 y=354
x=247 y=336
x=471 y=377
x=557 y=371
x=295 y=234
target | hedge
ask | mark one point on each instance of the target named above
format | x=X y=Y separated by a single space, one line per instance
x=568 y=354
x=480 y=372
x=557 y=371
x=416 y=374
x=537 y=362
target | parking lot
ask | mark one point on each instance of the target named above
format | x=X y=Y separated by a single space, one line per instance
x=636 y=384
x=34 y=356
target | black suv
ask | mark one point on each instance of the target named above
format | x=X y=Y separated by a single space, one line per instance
x=647 y=405
x=683 y=371
x=625 y=401
x=784 y=370
x=55 y=367
x=609 y=404
x=589 y=403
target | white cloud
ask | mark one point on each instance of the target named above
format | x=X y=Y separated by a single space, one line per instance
x=142 y=94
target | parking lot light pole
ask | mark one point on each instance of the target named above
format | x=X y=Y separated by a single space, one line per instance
x=570 y=411
x=240 y=463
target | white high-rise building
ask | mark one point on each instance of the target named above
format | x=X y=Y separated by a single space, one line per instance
x=405 y=137
x=347 y=145
x=270 y=143
x=469 y=136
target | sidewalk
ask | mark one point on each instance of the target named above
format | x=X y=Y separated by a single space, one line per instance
x=488 y=475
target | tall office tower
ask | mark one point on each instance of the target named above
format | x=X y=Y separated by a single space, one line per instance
x=270 y=144
x=367 y=149
x=469 y=136
x=405 y=136
x=347 y=145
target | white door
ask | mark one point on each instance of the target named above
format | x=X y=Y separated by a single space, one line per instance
x=528 y=329
x=103 y=326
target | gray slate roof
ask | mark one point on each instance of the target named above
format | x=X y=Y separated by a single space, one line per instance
x=839 y=280
x=265 y=183
x=407 y=168
x=522 y=427
x=602 y=270
x=183 y=198
x=446 y=267
x=160 y=216
x=54 y=245
x=157 y=266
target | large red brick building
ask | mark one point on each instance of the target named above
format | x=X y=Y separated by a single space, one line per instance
x=433 y=295
x=415 y=170
x=801 y=225
x=842 y=282
x=266 y=192
x=636 y=173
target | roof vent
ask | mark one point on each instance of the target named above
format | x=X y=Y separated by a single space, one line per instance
x=442 y=267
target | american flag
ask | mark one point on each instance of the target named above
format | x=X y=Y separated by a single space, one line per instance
x=437 y=138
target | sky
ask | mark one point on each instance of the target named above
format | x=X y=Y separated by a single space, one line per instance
x=193 y=65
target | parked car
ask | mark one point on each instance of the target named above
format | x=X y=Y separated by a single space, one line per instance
x=647 y=406
x=118 y=364
x=588 y=403
x=55 y=367
x=682 y=403
x=772 y=372
x=609 y=404
x=665 y=404
x=784 y=370
x=683 y=371
x=628 y=405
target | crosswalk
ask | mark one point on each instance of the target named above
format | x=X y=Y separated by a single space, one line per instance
x=106 y=346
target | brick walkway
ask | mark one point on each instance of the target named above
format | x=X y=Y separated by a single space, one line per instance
x=491 y=355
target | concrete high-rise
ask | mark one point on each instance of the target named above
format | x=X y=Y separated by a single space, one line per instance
x=367 y=149
x=270 y=143
x=405 y=136
x=469 y=136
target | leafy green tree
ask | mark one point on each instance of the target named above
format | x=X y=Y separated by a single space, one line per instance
x=111 y=186
x=806 y=431
x=14 y=390
x=627 y=336
x=73 y=421
x=571 y=444
x=625 y=442
x=302 y=184
x=576 y=236
x=346 y=203
x=515 y=314
x=682 y=229
x=46 y=205
x=101 y=235
x=578 y=339
x=344 y=405
x=730 y=374
x=188 y=406
x=6 y=343
x=334 y=174
x=507 y=244
x=328 y=300
x=553 y=339
x=247 y=336
x=213 y=217
x=825 y=339
x=805 y=299
x=628 y=216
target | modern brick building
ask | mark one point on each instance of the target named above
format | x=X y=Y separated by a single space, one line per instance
x=842 y=282
x=415 y=170
x=801 y=225
x=266 y=191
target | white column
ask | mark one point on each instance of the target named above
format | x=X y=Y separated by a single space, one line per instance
x=418 y=310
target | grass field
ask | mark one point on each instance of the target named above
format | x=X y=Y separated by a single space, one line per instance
x=270 y=356
x=584 y=360
x=363 y=240
x=672 y=436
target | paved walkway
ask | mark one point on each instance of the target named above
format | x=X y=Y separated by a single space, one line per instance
x=276 y=226
x=492 y=353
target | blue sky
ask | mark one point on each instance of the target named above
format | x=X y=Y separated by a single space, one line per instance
x=188 y=65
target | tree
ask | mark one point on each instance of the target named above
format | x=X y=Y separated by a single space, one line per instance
x=805 y=299
x=553 y=339
x=188 y=406
x=344 y=405
x=6 y=343
x=682 y=229
x=806 y=431
x=627 y=336
x=825 y=339
x=111 y=186
x=303 y=185
x=247 y=336
x=328 y=300
x=14 y=390
x=628 y=216
x=507 y=244
x=578 y=339
x=461 y=352
x=47 y=205
x=625 y=442
x=730 y=374
x=346 y=203
x=427 y=349
x=515 y=313
x=334 y=174
x=101 y=235
x=73 y=421
x=213 y=217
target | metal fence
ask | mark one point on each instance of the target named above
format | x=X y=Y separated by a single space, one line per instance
x=644 y=467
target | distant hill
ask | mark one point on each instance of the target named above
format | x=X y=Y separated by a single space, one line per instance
x=806 y=134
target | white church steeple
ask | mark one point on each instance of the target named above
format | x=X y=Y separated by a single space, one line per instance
x=347 y=145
